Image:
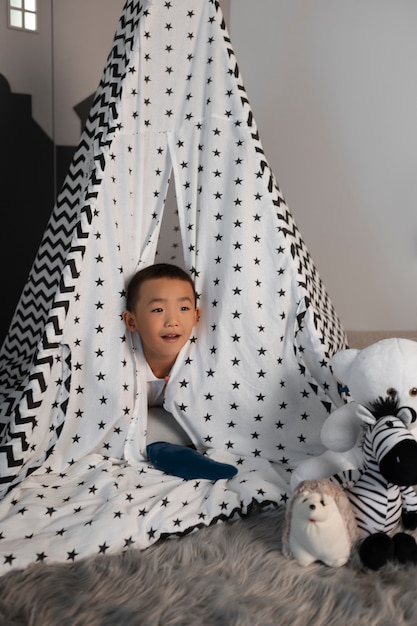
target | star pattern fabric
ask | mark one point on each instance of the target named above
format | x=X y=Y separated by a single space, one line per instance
x=252 y=386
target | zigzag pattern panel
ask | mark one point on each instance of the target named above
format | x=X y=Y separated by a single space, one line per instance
x=55 y=270
x=30 y=403
x=32 y=310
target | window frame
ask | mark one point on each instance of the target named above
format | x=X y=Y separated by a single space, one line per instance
x=27 y=10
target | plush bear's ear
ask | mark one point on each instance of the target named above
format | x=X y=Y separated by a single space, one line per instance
x=342 y=362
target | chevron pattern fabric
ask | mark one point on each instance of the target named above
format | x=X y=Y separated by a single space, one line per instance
x=35 y=303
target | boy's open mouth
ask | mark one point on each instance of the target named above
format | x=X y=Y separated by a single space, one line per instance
x=171 y=337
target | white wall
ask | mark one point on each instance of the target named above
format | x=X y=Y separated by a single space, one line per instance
x=333 y=87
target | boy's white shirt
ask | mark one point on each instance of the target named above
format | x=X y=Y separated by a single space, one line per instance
x=155 y=388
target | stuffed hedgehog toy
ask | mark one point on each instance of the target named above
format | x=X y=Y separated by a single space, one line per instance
x=386 y=369
x=319 y=524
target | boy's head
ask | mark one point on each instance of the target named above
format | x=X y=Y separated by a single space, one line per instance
x=161 y=307
x=159 y=270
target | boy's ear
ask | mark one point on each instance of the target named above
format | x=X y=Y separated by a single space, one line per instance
x=129 y=320
x=197 y=314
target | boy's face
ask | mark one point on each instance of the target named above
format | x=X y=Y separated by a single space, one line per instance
x=164 y=316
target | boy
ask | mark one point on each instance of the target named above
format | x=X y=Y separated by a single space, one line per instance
x=161 y=306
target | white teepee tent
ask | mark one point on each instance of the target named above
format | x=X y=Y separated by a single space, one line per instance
x=252 y=386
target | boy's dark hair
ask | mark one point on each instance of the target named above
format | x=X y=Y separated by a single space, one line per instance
x=158 y=270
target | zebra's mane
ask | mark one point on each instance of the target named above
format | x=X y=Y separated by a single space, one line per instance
x=384 y=406
x=381 y=407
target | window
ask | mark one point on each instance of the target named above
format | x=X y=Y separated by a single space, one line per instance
x=22 y=15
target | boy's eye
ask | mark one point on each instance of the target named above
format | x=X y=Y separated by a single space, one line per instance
x=157 y=310
x=185 y=308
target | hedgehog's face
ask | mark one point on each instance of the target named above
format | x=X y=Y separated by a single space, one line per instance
x=313 y=506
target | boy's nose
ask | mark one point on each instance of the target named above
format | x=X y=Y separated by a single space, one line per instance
x=171 y=322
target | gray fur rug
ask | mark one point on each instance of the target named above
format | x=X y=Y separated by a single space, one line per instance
x=230 y=574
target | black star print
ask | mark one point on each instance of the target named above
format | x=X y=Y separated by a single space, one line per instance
x=8 y=560
x=128 y=542
x=102 y=549
x=50 y=511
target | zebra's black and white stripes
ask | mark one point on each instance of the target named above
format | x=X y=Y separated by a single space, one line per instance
x=382 y=488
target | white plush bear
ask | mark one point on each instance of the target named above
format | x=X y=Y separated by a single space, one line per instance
x=386 y=368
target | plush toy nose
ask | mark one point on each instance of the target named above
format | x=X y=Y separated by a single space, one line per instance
x=399 y=465
x=313 y=507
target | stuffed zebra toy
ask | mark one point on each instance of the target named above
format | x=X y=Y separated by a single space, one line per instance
x=381 y=491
